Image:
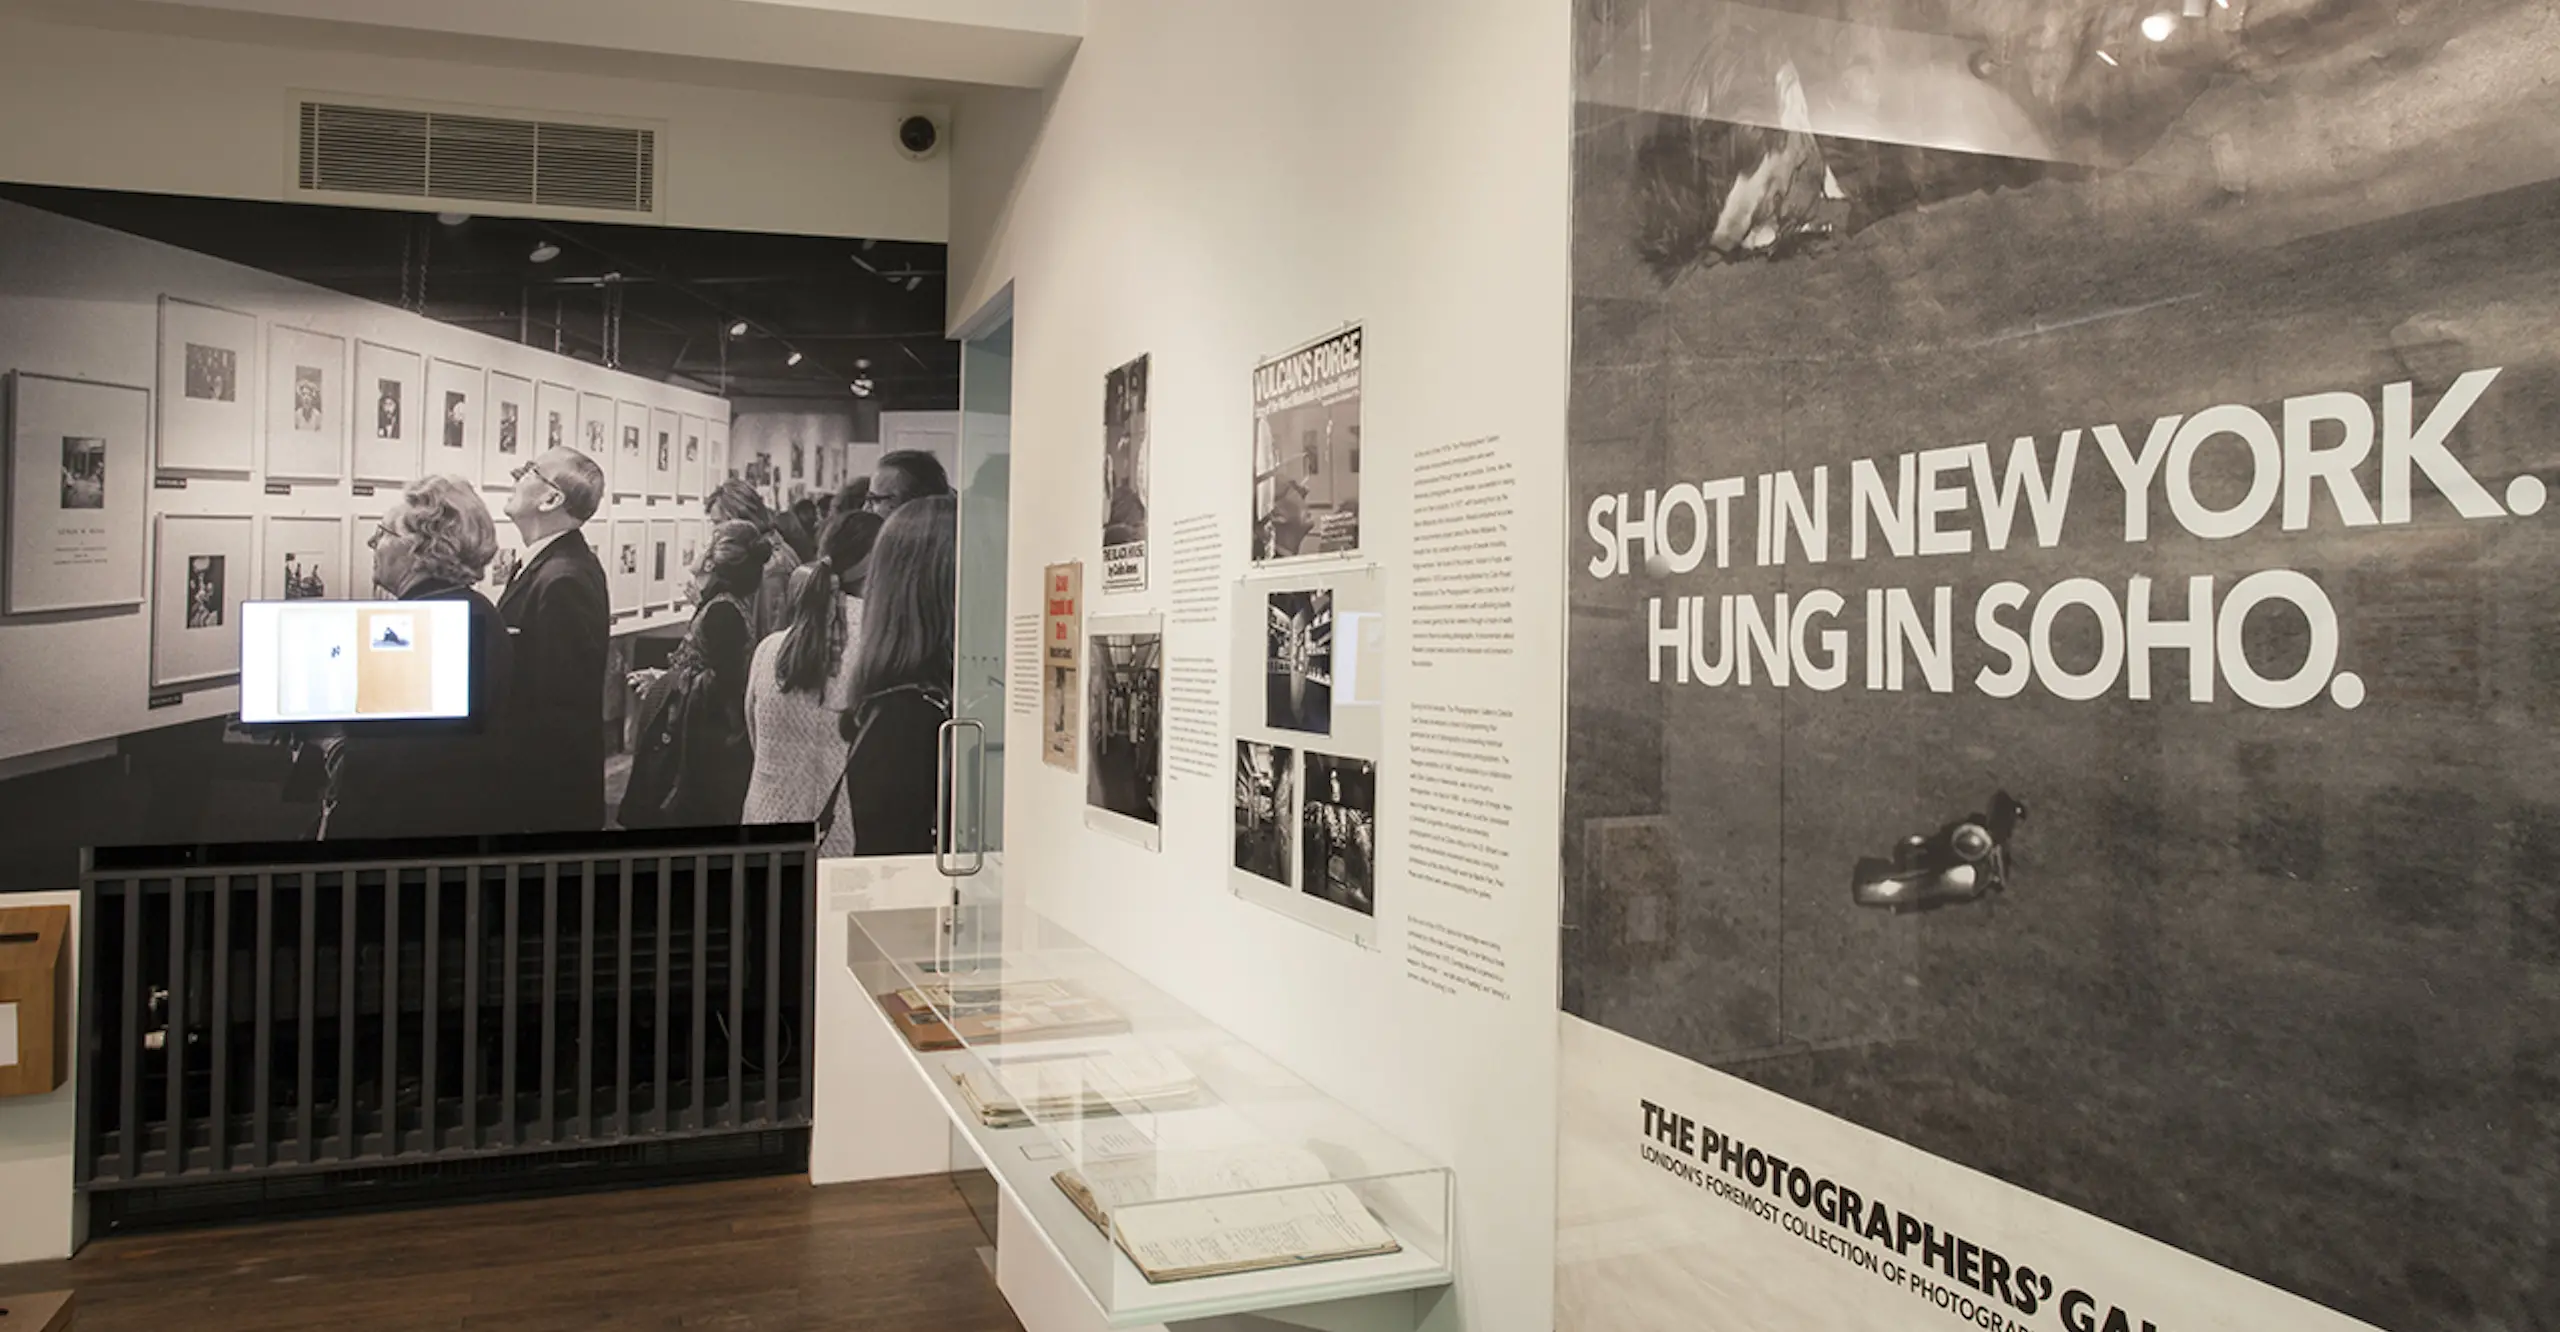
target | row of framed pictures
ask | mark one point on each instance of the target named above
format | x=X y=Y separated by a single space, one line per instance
x=337 y=409
x=206 y=565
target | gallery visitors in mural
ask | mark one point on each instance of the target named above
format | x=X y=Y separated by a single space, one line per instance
x=902 y=476
x=797 y=689
x=736 y=500
x=901 y=676
x=690 y=764
x=799 y=525
x=559 y=610
x=440 y=781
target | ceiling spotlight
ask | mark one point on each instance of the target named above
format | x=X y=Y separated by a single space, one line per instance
x=914 y=282
x=544 y=253
x=2111 y=60
x=870 y=244
x=793 y=359
x=453 y=219
x=863 y=363
x=2159 y=27
x=738 y=329
x=862 y=386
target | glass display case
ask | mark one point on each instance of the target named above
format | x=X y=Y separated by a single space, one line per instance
x=1179 y=1172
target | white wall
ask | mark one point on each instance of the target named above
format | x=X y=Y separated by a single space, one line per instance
x=1213 y=184
x=83 y=302
x=176 y=113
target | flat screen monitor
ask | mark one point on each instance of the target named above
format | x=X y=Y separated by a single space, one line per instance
x=354 y=661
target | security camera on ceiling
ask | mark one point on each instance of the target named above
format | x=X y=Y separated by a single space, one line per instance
x=919 y=137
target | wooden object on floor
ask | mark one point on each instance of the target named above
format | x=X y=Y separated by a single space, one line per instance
x=757 y=1255
x=35 y=999
x=50 y=1311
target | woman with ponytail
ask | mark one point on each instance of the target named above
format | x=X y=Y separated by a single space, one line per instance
x=800 y=682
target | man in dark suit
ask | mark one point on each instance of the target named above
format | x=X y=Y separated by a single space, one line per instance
x=557 y=609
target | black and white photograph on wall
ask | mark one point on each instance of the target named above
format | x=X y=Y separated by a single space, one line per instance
x=206 y=423
x=1266 y=810
x=1339 y=832
x=1125 y=460
x=84 y=472
x=195 y=599
x=310 y=398
x=2179 y=772
x=309 y=346
x=213 y=373
x=302 y=558
x=1298 y=663
x=1306 y=450
x=76 y=483
x=595 y=439
x=204 y=591
x=1123 y=731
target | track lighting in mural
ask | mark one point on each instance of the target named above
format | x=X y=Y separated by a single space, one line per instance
x=2160 y=27
x=793 y=359
x=2111 y=60
x=738 y=329
x=862 y=384
x=544 y=253
x=914 y=282
x=453 y=219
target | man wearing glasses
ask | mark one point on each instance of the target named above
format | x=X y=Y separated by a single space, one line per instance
x=557 y=610
x=904 y=475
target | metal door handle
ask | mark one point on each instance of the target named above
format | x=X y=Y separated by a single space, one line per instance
x=950 y=859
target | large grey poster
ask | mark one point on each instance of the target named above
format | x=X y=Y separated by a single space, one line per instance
x=2064 y=641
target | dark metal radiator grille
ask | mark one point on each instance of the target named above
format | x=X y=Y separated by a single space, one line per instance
x=288 y=1018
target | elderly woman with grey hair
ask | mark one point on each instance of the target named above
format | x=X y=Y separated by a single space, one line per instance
x=427 y=779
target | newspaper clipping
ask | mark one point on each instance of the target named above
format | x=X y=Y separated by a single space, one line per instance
x=1306 y=451
x=1124 y=478
x=1062 y=637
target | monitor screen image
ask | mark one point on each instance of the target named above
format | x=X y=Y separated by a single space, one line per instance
x=354 y=661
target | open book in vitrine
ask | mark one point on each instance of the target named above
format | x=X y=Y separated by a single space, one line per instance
x=1181 y=1173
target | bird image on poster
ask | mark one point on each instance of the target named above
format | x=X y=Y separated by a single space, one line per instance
x=1124 y=478
x=1306 y=451
x=1061 y=638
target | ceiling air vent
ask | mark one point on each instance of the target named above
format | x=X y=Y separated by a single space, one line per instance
x=438 y=156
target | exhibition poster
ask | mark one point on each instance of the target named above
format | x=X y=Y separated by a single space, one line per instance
x=1306 y=450
x=1062 y=639
x=2062 y=670
x=1124 y=478
x=78 y=472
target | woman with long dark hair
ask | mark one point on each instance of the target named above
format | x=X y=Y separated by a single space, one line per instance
x=800 y=683
x=901 y=681
x=690 y=767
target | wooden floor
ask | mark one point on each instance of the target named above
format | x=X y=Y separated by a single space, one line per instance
x=748 y=1255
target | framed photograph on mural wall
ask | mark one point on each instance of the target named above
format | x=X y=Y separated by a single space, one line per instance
x=622 y=570
x=199 y=578
x=305 y=559
x=689 y=446
x=663 y=429
x=389 y=426
x=630 y=470
x=715 y=454
x=690 y=533
x=556 y=409
x=307 y=403
x=454 y=393
x=79 y=464
x=661 y=554
x=596 y=429
x=208 y=365
x=509 y=426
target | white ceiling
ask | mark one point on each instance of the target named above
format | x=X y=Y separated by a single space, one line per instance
x=907 y=47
